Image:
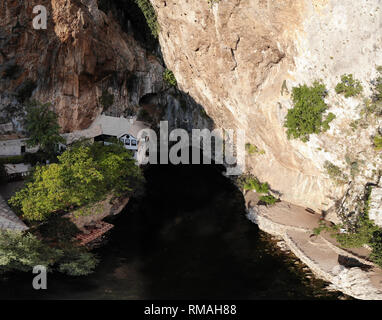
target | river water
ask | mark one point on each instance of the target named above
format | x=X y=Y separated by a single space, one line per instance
x=186 y=238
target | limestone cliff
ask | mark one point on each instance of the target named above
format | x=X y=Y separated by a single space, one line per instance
x=240 y=60
x=82 y=55
x=237 y=59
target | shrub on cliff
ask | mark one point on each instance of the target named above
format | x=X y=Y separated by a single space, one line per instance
x=377 y=141
x=150 y=15
x=376 y=245
x=251 y=149
x=377 y=90
x=249 y=182
x=349 y=86
x=335 y=172
x=268 y=199
x=169 y=78
x=83 y=175
x=306 y=117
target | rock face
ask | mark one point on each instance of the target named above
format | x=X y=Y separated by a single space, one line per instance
x=82 y=55
x=375 y=211
x=240 y=60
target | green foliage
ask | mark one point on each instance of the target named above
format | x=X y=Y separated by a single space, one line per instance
x=251 y=149
x=150 y=15
x=349 y=86
x=377 y=91
x=268 y=199
x=363 y=234
x=12 y=159
x=84 y=174
x=377 y=142
x=106 y=100
x=252 y=183
x=58 y=229
x=306 y=117
x=24 y=92
x=334 y=172
x=42 y=127
x=330 y=117
x=22 y=252
x=32 y=158
x=324 y=227
x=169 y=78
x=376 y=245
x=249 y=182
x=77 y=262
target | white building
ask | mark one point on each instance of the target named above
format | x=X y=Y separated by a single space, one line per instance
x=124 y=129
x=15 y=147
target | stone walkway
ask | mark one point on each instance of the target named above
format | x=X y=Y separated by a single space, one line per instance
x=348 y=271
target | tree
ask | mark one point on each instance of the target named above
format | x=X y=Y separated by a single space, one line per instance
x=77 y=262
x=22 y=252
x=42 y=127
x=84 y=174
x=306 y=117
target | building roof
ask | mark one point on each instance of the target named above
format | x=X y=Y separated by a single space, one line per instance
x=106 y=125
x=17 y=168
x=8 y=219
x=118 y=126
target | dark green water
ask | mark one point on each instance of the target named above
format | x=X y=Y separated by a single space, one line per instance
x=188 y=237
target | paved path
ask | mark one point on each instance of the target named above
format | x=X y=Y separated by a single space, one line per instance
x=8 y=219
x=348 y=271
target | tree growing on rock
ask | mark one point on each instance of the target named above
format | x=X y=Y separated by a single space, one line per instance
x=42 y=127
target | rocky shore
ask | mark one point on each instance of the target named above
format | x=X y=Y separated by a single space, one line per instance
x=348 y=271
